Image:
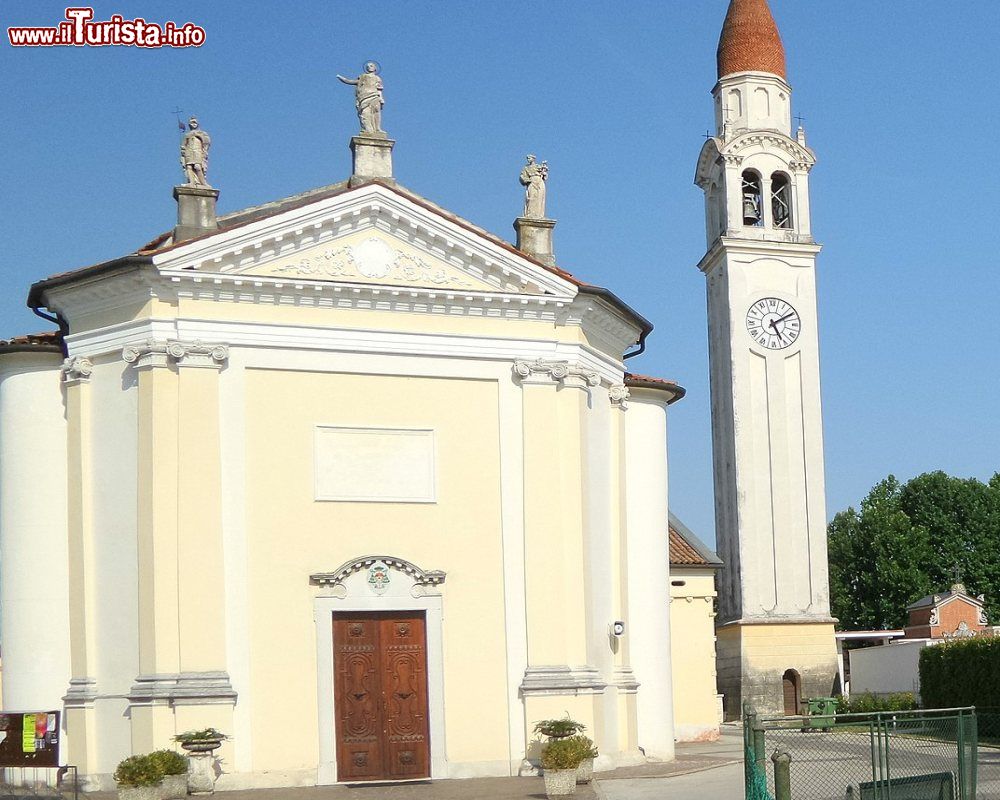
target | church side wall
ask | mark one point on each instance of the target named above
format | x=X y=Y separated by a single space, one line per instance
x=34 y=600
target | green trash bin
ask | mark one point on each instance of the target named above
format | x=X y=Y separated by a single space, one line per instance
x=821 y=712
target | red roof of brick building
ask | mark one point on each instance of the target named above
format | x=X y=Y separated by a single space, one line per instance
x=750 y=41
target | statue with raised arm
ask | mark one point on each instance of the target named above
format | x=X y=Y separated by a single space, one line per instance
x=194 y=154
x=533 y=177
x=368 y=97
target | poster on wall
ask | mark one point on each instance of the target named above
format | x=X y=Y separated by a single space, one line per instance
x=30 y=739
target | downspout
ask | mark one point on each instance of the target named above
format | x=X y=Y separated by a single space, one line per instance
x=59 y=320
x=641 y=350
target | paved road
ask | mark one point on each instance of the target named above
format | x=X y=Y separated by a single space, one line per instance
x=720 y=783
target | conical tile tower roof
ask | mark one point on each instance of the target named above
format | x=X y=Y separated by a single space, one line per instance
x=750 y=41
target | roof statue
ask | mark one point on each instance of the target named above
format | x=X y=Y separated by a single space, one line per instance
x=368 y=97
x=194 y=154
x=750 y=41
x=533 y=177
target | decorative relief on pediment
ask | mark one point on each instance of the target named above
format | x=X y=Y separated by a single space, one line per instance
x=373 y=260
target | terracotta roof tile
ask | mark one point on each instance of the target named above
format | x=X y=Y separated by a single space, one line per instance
x=683 y=553
x=750 y=41
x=649 y=382
x=49 y=341
x=686 y=549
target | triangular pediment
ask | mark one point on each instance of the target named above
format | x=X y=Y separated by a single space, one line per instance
x=369 y=236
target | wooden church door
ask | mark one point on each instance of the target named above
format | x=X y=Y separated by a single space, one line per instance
x=380 y=696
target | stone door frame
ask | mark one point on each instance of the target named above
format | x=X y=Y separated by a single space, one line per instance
x=323 y=608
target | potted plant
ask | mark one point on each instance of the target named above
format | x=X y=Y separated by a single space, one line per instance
x=138 y=778
x=174 y=769
x=203 y=741
x=588 y=752
x=560 y=760
x=559 y=728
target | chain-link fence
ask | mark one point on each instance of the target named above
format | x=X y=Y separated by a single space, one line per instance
x=919 y=755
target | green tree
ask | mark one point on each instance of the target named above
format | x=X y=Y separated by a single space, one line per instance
x=905 y=541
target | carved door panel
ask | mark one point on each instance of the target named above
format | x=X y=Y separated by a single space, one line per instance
x=380 y=696
x=404 y=689
x=357 y=698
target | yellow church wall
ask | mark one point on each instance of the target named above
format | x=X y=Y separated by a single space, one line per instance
x=291 y=535
x=692 y=646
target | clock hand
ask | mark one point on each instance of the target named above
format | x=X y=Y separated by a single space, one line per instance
x=782 y=319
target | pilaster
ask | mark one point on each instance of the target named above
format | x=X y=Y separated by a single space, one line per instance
x=81 y=725
x=183 y=681
x=559 y=677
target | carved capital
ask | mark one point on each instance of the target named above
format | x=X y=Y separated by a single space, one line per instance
x=619 y=395
x=542 y=371
x=77 y=369
x=162 y=353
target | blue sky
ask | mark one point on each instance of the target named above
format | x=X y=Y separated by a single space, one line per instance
x=898 y=99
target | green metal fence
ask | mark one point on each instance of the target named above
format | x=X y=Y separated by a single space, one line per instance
x=915 y=755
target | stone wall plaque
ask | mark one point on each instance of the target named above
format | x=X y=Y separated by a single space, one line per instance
x=374 y=465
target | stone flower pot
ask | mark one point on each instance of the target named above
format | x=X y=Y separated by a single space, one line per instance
x=201 y=745
x=174 y=787
x=139 y=792
x=559 y=782
x=201 y=765
x=585 y=772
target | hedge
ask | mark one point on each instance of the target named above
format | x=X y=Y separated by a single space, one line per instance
x=869 y=703
x=965 y=672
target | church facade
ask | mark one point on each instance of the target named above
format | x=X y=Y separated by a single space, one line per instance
x=346 y=478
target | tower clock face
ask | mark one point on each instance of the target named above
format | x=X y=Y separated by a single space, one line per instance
x=773 y=323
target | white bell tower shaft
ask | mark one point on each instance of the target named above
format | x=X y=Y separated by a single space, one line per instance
x=767 y=432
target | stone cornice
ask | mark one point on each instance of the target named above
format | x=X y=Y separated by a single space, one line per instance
x=162 y=353
x=183 y=688
x=746 y=140
x=562 y=680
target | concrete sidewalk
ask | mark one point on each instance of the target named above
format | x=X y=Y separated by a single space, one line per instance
x=685 y=777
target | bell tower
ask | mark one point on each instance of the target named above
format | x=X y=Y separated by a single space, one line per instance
x=775 y=641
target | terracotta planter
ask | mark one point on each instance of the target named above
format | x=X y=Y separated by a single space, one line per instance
x=559 y=782
x=174 y=787
x=585 y=772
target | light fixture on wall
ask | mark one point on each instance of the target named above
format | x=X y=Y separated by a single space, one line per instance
x=618 y=628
